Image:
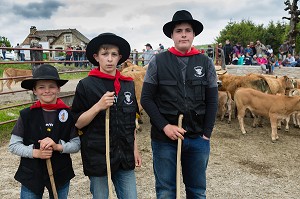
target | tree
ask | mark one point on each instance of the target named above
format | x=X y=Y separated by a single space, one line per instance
x=294 y=19
x=5 y=41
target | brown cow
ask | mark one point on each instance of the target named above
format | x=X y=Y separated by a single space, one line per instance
x=276 y=107
x=138 y=74
x=225 y=104
x=13 y=73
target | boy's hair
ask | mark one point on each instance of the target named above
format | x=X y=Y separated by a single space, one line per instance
x=108 y=46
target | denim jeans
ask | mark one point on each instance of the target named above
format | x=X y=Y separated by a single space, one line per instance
x=124 y=182
x=61 y=192
x=194 y=160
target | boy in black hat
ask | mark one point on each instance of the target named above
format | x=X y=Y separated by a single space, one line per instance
x=181 y=81
x=45 y=130
x=106 y=88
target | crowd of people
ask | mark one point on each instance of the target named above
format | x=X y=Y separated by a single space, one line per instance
x=260 y=55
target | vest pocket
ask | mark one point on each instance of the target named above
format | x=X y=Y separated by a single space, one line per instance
x=129 y=113
x=199 y=89
x=168 y=90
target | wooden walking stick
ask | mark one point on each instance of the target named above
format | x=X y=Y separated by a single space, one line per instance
x=50 y=172
x=109 y=182
x=179 y=143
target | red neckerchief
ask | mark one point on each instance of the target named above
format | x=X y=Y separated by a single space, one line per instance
x=97 y=73
x=59 y=105
x=193 y=51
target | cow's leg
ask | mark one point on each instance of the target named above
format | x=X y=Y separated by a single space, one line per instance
x=8 y=84
x=273 y=121
x=279 y=124
x=223 y=111
x=298 y=119
x=287 y=120
x=241 y=115
x=229 y=108
x=294 y=115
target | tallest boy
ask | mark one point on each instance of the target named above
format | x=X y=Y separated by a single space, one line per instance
x=181 y=81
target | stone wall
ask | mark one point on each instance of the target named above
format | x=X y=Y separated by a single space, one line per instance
x=243 y=70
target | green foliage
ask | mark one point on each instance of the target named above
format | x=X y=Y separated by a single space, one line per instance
x=5 y=41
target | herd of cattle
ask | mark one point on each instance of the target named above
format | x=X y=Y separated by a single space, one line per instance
x=268 y=96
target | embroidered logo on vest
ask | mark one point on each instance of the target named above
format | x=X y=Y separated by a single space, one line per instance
x=63 y=115
x=128 y=99
x=198 y=71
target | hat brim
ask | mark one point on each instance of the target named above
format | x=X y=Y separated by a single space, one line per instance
x=93 y=47
x=29 y=83
x=168 y=27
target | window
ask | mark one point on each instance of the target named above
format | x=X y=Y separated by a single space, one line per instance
x=68 y=38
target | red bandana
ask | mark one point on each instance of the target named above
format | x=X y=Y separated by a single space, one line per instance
x=193 y=51
x=59 y=105
x=97 y=73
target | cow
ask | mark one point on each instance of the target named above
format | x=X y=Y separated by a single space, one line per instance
x=225 y=104
x=14 y=74
x=275 y=107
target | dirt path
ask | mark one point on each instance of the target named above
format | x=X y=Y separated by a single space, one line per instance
x=240 y=166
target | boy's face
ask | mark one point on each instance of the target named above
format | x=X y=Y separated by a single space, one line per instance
x=46 y=91
x=108 y=59
x=183 y=36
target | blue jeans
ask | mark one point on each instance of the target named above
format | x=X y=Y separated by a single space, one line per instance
x=28 y=194
x=194 y=160
x=124 y=182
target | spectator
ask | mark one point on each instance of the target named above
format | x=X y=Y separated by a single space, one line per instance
x=220 y=60
x=252 y=46
x=248 y=59
x=148 y=54
x=77 y=55
x=227 y=52
x=17 y=53
x=260 y=48
x=161 y=48
x=68 y=55
x=234 y=60
x=135 y=57
x=238 y=49
x=269 y=50
x=210 y=51
x=290 y=61
x=254 y=60
x=240 y=59
x=3 y=51
x=22 y=54
x=283 y=50
x=271 y=63
x=262 y=61
x=248 y=50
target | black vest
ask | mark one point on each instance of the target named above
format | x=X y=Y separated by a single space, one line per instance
x=121 y=129
x=176 y=97
x=32 y=173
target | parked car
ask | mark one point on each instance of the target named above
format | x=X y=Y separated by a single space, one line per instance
x=60 y=58
x=8 y=55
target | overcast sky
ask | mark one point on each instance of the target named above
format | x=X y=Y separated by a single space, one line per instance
x=138 y=21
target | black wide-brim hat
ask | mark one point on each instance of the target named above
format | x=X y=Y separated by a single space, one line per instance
x=43 y=72
x=179 y=17
x=107 y=38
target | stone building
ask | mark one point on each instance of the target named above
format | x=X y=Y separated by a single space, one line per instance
x=57 y=39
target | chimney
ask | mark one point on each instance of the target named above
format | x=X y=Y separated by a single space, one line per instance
x=32 y=29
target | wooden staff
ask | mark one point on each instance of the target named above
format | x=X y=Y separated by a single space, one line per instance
x=50 y=172
x=109 y=182
x=179 y=143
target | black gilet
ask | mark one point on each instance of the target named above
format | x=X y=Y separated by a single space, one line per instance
x=32 y=173
x=121 y=129
x=175 y=97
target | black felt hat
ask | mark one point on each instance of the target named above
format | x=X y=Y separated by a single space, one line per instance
x=107 y=38
x=179 y=17
x=43 y=72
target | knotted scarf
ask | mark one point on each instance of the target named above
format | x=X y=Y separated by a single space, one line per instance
x=193 y=51
x=97 y=73
x=59 y=105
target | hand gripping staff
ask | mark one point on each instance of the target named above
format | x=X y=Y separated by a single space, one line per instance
x=109 y=182
x=179 y=143
x=50 y=172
